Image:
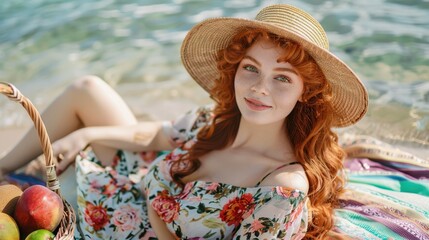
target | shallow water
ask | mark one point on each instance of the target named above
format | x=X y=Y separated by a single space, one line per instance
x=134 y=45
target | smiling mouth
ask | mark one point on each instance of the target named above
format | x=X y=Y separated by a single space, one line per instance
x=256 y=105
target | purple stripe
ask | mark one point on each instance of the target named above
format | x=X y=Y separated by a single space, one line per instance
x=364 y=164
x=397 y=225
x=419 y=174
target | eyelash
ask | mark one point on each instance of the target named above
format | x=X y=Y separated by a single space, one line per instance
x=251 y=68
x=284 y=79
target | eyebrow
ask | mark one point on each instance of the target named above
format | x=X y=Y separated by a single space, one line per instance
x=284 y=69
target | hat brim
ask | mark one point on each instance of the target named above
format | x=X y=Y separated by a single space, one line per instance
x=204 y=40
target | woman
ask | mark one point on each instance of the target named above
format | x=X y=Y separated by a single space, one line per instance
x=262 y=163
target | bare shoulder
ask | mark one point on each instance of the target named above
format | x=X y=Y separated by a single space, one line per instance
x=291 y=176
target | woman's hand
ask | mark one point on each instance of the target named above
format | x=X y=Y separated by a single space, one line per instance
x=66 y=148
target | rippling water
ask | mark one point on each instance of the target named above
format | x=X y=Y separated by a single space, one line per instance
x=134 y=45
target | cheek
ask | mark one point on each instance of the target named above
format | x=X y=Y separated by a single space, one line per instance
x=240 y=83
x=244 y=78
x=237 y=84
x=290 y=93
x=287 y=97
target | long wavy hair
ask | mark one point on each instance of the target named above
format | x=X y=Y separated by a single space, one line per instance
x=308 y=126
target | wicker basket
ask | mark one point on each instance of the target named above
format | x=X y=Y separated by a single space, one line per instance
x=67 y=225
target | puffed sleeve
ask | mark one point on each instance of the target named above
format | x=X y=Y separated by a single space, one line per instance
x=186 y=126
x=279 y=218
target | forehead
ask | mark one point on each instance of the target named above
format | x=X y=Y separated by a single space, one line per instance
x=265 y=48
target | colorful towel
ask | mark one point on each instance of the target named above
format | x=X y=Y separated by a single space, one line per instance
x=387 y=193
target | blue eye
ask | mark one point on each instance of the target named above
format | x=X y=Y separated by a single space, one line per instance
x=283 y=79
x=250 y=68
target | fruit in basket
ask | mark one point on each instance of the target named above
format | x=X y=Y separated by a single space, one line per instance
x=9 y=196
x=41 y=234
x=38 y=208
x=8 y=228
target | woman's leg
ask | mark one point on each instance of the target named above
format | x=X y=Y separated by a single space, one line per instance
x=89 y=101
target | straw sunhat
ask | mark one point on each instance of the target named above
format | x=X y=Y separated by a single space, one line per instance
x=204 y=40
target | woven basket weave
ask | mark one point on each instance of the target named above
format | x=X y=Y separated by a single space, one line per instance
x=66 y=228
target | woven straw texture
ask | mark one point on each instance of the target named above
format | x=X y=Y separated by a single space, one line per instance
x=203 y=41
x=65 y=231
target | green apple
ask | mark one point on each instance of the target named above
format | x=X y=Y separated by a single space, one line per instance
x=41 y=234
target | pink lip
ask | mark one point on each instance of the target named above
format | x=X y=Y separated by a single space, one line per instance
x=256 y=105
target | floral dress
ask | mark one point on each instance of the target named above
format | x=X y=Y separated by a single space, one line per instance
x=111 y=205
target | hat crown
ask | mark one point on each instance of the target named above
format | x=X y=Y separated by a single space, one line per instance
x=295 y=20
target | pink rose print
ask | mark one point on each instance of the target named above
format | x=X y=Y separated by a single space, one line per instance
x=126 y=218
x=187 y=189
x=296 y=212
x=295 y=194
x=284 y=191
x=94 y=187
x=166 y=207
x=189 y=144
x=148 y=156
x=294 y=215
x=173 y=156
x=109 y=189
x=212 y=187
x=256 y=225
x=96 y=216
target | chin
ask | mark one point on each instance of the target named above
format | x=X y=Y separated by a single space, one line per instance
x=262 y=120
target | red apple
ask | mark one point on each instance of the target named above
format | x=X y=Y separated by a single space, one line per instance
x=8 y=228
x=38 y=208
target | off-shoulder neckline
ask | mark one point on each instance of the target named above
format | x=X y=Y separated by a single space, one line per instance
x=287 y=189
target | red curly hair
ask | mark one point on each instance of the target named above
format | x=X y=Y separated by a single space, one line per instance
x=308 y=126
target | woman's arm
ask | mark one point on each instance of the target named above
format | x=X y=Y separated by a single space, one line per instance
x=143 y=136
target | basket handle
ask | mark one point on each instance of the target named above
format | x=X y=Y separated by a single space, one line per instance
x=15 y=95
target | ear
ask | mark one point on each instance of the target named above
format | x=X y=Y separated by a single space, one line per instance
x=301 y=99
x=301 y=96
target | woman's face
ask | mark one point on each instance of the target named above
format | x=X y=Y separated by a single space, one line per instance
x=266 y=89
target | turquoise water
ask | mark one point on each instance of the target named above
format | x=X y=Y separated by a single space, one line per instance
x=134 y=45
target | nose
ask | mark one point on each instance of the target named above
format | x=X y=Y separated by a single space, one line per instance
x=260 y=86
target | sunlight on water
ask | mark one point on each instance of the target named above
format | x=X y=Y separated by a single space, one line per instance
x=135 y=45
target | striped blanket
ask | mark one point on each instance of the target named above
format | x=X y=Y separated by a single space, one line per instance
x=387 y=193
